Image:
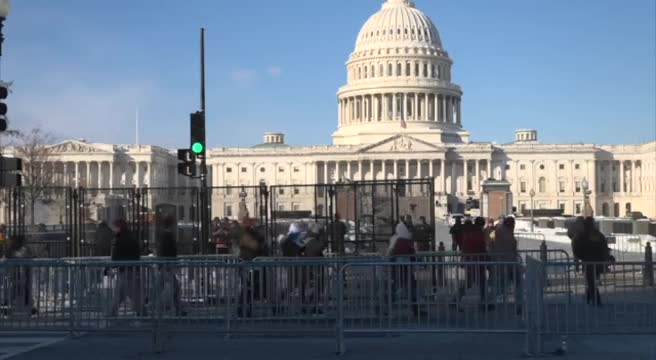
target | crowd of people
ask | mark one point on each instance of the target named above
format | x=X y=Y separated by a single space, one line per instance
x=480 y=242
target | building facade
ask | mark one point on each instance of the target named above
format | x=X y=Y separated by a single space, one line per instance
x=400 y=117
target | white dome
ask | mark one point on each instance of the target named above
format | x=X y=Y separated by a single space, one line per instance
x=398 y=21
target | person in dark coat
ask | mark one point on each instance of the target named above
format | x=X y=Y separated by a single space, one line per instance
x=423 y=235
x=20 y=276
x=402 y=249
x=251 y=245
x=591 y=246
x=128 y=284
x=474 y=251
x=457 y=232
x=167 y=250
x=338 y=232
x=103 y=240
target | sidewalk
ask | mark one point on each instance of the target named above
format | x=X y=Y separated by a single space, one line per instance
x=406 y=347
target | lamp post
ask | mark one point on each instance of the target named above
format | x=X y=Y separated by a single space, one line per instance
x=532 y=194
x=4 y=12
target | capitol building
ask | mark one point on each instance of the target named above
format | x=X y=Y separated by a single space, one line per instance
x=400 y=117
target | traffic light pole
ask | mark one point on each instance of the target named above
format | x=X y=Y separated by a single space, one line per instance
x=204 y=195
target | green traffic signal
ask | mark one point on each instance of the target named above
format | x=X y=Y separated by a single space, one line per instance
x=197 y=148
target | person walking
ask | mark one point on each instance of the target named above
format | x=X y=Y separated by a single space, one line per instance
x=221 y=237
x=591 y=247
x=505 y=249
x=474 y=252
x=128 y=284
x=489 y=233
x=103 y=240
x=338 y=235
x=254 y=285
x=401 y=248
x=424 y=235
x=167 y=251
x=456 y=235
x=20 y=277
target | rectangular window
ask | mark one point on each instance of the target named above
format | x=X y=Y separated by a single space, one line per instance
x=603 y=187
x=522 y=208
x=297 y=191
x=296 y=207
x=522 y=187
x=577 y=166
x=507 y=166
x=561 y=166
x=578 y=209
x=577 y=185
x=244 y=169
x=228 y=210
x=281 y=191
x=522 y=167
x=281 y=207
x=562 y=207
x=281 y=169
x=229 y=170
x=561 y=186
x=296 y=169
x=228 y=191
x=614 y=187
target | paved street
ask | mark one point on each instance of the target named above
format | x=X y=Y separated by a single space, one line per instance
x=13 y=344
x=407 y=347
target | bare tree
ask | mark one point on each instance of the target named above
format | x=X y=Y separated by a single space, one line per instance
x=34 y=147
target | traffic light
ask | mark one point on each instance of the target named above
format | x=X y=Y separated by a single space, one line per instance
x=4 y=92
x=187 y=165
x=197 y=146
x=10 y=169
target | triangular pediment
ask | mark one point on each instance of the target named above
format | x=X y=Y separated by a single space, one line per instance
x=76 y=147
x=400 y=143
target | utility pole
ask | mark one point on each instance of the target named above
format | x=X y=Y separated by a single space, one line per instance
x=204 y=194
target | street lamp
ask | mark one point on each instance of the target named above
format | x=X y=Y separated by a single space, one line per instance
x=532 y=194
x=4 y=12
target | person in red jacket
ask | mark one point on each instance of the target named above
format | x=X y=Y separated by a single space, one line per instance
x=474 y=254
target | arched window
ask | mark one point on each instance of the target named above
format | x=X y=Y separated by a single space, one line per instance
x=542 y=185
x=381 y=70
x=627 y=207
x=616 y=209
x=425 y=70
x=390 y=69
x=417 y=70
x=407 y=69
x=373 y=71
x=359 y=73
x=433 y=71
x=366 y=71
x=604 y=209
x=399 y=69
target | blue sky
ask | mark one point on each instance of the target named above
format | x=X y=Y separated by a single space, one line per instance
x=577 y=70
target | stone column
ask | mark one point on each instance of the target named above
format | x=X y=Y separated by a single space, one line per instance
x=489 y=169
x=396 y=170
x=372 y=170
x=338 y=175
x=100 y=176
x=407 y=169
x=443 y=112
x=111 y=174
x=325 y=173
x=443 y=174
x=426 y=116
x=454 y=177
x=416 y=109
x=76 y=178
x=148 y=181
x=348 y=170
x=430 y=169
x=360 y=170
x=466 y=177
x=477 y=183
x=394 y=104
x=87 y=181
x=622 y=184
x=633 y=176
x=459 y=119
x=418 y=169
x=436 y=113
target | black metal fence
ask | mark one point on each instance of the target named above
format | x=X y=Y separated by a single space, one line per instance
x=69 y=222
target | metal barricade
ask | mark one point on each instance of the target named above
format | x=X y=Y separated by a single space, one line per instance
x=608 y=298
x=397 y=297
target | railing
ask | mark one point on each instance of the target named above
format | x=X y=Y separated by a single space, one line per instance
x=425 y=293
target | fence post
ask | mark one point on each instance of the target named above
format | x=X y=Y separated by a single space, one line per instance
x=340 y=310
x=440 y=268
x=649 y=266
